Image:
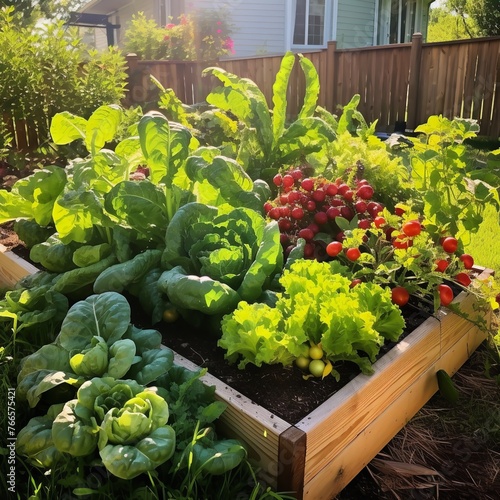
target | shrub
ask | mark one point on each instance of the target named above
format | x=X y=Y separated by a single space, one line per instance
x=46 y=69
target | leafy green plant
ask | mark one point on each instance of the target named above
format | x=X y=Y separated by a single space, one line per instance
x=453 y=197
x=33 y=58
x=358 y=153
x=215 y=258
x=96 y=339
x=267 y=143
x=318 y=306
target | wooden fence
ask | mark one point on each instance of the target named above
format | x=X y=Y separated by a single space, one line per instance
x=397 y=83
x=403 y=83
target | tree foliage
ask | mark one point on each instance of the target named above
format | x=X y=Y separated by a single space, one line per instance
x=32 y=10
x=459 y=19
x=486 y=13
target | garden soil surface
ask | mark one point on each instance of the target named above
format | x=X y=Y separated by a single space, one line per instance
x=436 y=456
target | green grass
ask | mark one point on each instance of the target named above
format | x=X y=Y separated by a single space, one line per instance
x=483 y=245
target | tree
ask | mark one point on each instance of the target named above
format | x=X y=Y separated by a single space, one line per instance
x=486 y=13
x=445 y=25
x=456 y=19
x=32 y=10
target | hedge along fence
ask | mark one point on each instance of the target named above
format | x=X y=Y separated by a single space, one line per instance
x=397 y=83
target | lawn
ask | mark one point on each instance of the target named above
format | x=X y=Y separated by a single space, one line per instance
x=482 y=246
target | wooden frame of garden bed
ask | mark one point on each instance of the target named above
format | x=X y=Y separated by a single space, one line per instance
x=318 y=456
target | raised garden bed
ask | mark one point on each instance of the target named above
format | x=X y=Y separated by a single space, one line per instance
x=317 y=455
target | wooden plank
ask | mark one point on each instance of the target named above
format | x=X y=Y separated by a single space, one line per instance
x=489 y=82
x=458 y=76
x=470 y=76
x=243 y=419
x=452 y=81
x=335 y=423
x=13 y=268
x=292 y=453
x=346 y=464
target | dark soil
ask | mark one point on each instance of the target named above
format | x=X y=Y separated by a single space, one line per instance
x=283 y=391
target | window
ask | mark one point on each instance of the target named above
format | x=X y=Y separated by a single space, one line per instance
x=309 y=24
x=397 y=21
x=170 y=11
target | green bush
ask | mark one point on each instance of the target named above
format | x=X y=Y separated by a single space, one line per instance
x=46 y=69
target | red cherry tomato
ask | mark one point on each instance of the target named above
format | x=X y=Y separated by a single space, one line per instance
x=353 y=253
x=450 y=244
x=468 y=260
x=463 y=279
x=445 y=294
x=334 y=248
x=401 y=242
x=400 y=295
x=412 y=228
x=441 y=265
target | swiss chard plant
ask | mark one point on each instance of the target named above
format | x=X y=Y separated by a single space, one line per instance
x=268 y=141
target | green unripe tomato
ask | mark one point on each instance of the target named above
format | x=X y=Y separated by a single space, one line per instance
x=316 y=367
x=315 y=352
x=302 y=362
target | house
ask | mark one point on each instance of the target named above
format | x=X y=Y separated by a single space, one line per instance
x=275 y=26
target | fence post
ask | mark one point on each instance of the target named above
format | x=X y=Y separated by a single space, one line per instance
x=329 y=83
x=132 y=79
x=414 y=79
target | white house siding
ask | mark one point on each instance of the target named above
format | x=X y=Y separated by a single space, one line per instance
x=259 y=27
x=356 y=23
x=126 y=10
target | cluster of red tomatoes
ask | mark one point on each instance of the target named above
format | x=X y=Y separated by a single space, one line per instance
x=306 y=206
x=309 y=208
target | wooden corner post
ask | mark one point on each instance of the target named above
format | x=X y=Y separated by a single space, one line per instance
x=414 y=78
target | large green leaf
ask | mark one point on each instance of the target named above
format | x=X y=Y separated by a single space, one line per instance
x=66 y=128
x=267 y=262
x=75 y=215
x=33 y=197
x=175 y=254
x=129 y=461
x=141 y=205
x=311 y=88
x=106 y=315
x=197 y=293
x=118 y=277
x=280 y=88
x=102 y=127
x=244 y=99
x=230 y=182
